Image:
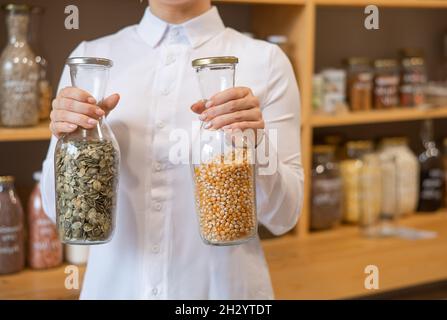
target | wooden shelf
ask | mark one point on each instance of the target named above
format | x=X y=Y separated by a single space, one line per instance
x=273 y=2
x=385 y=3
x=39 y=132
x=325 y=265
x=377 y=116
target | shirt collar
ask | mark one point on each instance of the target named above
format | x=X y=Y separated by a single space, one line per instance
x=198 y=30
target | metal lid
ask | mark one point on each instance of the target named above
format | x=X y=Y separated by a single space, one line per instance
x=277 y=39
x=202 y=62
x=89 y=61
x=394 y=141
x=358 y=61
x=323 y=148
x=360 y=145
x=6 y=179
x=385 y=63
x=413 y=62
x=12 y=7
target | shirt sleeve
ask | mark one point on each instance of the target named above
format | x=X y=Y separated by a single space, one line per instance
x=280 y=184
x=47 y=183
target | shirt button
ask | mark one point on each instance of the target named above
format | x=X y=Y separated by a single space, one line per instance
x=154 y=291
x=160 y=124
x=155 y=249
x=165 y=91
x=158 y=167
x=157 y=206
x=175 y=32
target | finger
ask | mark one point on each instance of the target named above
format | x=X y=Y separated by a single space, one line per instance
x=198 y=107
x=245 y=125
x=78 y=119
x=59 y=128
x=90 y=110
x=230 y=118
x=229 y=107
x=77 y=94
x=228 y=95
x=110 y=103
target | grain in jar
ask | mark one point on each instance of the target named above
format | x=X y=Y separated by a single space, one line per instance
x=359 y=84
x=386 y=84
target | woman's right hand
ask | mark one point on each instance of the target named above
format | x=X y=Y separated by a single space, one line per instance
x=75 y=108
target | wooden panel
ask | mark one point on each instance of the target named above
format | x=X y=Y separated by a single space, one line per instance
x=40 y=132
x=377 y=116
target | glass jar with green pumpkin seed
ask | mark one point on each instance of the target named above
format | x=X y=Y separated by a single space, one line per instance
x=87 y=166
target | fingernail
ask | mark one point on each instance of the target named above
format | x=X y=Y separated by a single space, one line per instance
x=209 y=104
x=92 y=121
x=208 y=125
x=202 y=116
x=91 y=100
x=100 y=112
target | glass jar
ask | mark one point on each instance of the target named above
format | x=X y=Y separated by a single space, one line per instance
x=12 y=251
x=223 y=168
x=87 y=166
x=334 y=90
x=400 y=178
x=361 y=183
x=19 y=73
x=386 y=84
x=44 y=246
x=413 y=80
x=359 y=84
x=76 y=254
x=45 y=89
x=327 y=194
x=432 y=172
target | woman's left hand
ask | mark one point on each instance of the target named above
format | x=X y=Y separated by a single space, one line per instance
x=235 y=108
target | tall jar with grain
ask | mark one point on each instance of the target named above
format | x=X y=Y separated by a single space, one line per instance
x=327 y=209
x=413 y=80
x=223 y=169
x=12 y=248
x=19 y=72
x=359 y=84
x=386 y=84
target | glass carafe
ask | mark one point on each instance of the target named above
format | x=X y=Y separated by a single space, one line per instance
x=19 y=73
x=223 y=167
x=87 y=166
x=12 y=251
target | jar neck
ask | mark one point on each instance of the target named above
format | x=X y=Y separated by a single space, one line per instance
x=17 y=28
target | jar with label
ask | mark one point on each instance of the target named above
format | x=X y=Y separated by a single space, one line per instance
x=45 y=89
x=413 y=80
x=87 y=166
x=326 y=189
x=334 y=90
x=223 y=169
x=361 y=183
x=44 y=246
x=400 y=178
x=19 y=73
x=432 y=182
x=359 y=84
x=386 y=84
x=12 y=251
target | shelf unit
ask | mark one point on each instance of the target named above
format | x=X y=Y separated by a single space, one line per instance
x=297 y=20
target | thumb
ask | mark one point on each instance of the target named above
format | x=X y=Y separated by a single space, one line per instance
x=110 y=103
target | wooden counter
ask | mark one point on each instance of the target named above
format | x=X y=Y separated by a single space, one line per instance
x=326 y=265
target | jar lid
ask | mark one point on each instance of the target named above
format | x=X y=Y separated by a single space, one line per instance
x=323 y=148
x=277 y=39
x=394 y=141
x=13 y=7
x=358 y=61
x=360 y=145
x=413 y=62
x=6 y=179
x=89 y=61
x=385 y=63
x=203 y=62
x=411 y=52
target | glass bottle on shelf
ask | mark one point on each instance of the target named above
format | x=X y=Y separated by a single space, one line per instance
x=87 y=166
x=12 y=251
x=19 y=73
x=326 y=189
x=44 y=246
x=413 y=80
x=45 y=89
x=432 y=172
x=386 y=84
x=223 y=167
x=359 y=84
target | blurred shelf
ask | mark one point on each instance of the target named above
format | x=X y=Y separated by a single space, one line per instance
x=39 y=132
x=290 y=2
x=385 y=3
x=377 y=116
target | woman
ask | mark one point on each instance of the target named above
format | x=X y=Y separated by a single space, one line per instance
x=156 y=252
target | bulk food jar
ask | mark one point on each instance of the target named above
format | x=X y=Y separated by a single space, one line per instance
x=19 y=73
x=359 y=84
x=12 y=251
x=87 y=166
x=223 y=171
x=386 y=84
x=326 y=189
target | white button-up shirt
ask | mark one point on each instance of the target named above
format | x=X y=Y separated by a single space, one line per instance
x=157 y=252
